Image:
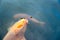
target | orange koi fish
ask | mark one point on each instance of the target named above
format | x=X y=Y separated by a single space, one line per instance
x=16 y=31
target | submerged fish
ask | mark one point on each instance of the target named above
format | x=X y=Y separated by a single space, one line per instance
x=22 y=15
x=16 y=31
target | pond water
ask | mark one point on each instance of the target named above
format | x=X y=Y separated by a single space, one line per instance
x=47 y=11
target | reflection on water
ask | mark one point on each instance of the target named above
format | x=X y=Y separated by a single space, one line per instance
x=43 y=10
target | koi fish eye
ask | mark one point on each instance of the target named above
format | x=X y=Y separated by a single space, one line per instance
x=31 y=17
x=22 y=18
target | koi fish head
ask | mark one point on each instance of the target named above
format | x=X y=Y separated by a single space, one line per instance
x=19 y=26
x=22 y=23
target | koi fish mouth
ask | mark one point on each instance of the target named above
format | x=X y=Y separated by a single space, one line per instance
x=22 y=23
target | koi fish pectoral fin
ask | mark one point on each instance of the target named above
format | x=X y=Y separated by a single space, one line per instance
x=37 y=21
x=42 y=23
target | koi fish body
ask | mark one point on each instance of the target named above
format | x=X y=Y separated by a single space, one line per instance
x=16 y=32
